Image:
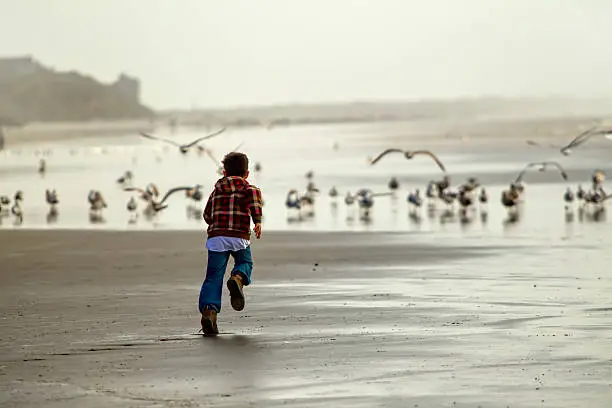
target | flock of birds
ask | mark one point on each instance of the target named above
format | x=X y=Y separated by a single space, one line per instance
x=468 y=197
x=153 y=201
x=463 y=200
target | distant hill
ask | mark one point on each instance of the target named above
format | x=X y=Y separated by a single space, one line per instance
x=31 y=92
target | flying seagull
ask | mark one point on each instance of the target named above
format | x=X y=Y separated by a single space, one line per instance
x=217 y=161
x=543 y=166
x=409 y=154
x=184 y=148
x=157 y=206
x=583 y=137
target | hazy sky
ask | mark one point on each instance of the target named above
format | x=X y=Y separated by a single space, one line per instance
x=251 y=52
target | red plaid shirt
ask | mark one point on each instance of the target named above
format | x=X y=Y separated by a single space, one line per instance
x=231 y=206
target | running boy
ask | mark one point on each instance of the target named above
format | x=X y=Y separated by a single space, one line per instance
x=228 y=213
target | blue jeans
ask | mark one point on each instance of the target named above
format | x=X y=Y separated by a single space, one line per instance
x=210 y=294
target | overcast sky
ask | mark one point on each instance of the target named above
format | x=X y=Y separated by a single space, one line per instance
x=251 y=52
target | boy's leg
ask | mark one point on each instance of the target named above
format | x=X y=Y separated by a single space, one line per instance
x=243 y=265
x=210 y=295
x=241 y=276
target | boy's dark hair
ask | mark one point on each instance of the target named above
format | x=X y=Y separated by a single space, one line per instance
x=236 y=164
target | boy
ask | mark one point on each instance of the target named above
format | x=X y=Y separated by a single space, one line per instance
x=228 y=213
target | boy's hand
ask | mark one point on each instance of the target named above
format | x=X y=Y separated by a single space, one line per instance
x=257 y=230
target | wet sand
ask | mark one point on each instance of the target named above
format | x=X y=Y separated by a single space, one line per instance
x=97 y=319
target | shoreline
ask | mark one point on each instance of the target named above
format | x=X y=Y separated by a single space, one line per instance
x=499 y=130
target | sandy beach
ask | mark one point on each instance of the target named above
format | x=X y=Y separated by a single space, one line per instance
x=96 y=319
x=388 y=311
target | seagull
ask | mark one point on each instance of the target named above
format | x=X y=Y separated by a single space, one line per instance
x=146 y=194
x=184 y=148
x=195 y=193
x=430 y=192
x=365 y=199
x=414 y=199
x=543 y=166
x=333 y=192
x=158 y=206
x=583 y=137
x=483 y=197
x=393 y=184
x=311 y=187
x=580 y=193
x=132 y=205
x=293 y=199
x=96 y=201
x=409 y=154
x=219 y=163
x=568 y=197
x=510 y=197
x=51 y=198
x=5 y=201
x=471 y=185
x=42 y=166
x=17 y=212
x=126 y=178
x=598 y=178
x=349 y=199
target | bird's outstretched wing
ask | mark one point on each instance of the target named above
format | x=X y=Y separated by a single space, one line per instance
x=200 y=139
x=384 y=153
x=172 y=191
x=148 y=136
x=381 y=194
x=433 y=156
x=558 y=166
x=140 y=190
x=238 y=147
x=582 y=137
x=212 y=157
x=544 y=164
x=522 y=173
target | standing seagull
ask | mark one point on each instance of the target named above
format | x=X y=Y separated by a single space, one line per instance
x=393 y=184
x=53 y=201
x=409 y=154
x=365 y=199
x=333 y=192
x=184 y=148
x=132 y=206
x=568 y=197
x=17 y=212
x=483 y=197
x=126 y=179
x=414 y=200
x=51 y=198
x=96 y=202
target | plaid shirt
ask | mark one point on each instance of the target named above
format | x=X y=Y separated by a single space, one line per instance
x=230 y=208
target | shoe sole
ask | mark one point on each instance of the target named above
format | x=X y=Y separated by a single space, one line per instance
x=236 y=295
x=208 y=328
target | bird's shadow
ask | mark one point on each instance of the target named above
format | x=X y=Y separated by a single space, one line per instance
x=513 y=218
x=96 y=218
x=52 y=216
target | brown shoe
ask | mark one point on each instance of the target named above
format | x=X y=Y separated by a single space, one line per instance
x=234 y=284
x=209 y=323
